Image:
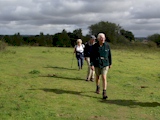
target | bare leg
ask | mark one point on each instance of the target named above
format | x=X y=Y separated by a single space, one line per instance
x=97 y=84
x=104 y=79
x=92 y=74
x=89 y=69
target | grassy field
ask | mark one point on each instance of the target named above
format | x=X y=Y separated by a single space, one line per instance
x=40 y=83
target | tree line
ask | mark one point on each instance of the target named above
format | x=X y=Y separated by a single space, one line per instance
x=114 y=34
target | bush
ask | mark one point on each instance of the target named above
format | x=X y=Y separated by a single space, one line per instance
x=152 y=44
x=34 y=72
x=3 y=45
x=136 y=45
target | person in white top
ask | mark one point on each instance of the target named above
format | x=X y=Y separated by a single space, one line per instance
x=78 y=50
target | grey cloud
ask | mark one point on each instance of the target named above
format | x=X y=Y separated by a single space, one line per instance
x=146 y=10
x=32 y=16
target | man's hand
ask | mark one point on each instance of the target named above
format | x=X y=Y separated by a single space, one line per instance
x=110 y=66
x=92 y=67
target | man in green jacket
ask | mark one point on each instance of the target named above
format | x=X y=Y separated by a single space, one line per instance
x=101 y=61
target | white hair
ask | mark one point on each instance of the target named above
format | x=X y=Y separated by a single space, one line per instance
x=101 y=35
x=79 y=41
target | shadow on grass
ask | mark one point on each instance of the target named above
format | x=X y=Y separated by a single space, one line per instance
x=60 y=91
x=126 y=103
x=61 y=77
x=55 y=67
x=132 y=103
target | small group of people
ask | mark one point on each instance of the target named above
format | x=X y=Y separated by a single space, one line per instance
x=98 y=58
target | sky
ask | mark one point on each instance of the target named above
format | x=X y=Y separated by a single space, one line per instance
x=30 y=17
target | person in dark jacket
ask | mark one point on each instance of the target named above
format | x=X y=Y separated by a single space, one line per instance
x=101 y=61
x=87 y=53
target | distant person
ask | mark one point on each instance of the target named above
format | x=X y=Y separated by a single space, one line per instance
x=87 y=53
x=101 y=61
x=79 y=51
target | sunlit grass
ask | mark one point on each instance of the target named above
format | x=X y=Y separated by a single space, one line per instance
x=41 y=83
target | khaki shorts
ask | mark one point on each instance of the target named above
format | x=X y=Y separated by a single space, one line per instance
x=102 y=71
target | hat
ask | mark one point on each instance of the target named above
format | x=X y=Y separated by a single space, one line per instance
x=92 y=37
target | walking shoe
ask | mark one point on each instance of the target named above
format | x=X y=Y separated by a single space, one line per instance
x=105 y=97
x=98 y=90
x=104 y=94
x=87 y=80
x=92 y=79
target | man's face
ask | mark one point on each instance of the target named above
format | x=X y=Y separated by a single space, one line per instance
x=101 y=39
x=92 y=40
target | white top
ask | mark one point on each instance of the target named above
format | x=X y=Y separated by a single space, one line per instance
x=79 y=48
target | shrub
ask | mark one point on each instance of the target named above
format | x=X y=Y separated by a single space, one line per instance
x=34 y=72
x=3 y=45
x=152 y=44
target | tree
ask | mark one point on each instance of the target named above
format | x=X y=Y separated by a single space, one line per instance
x=155 y=38
x=32 y=41
x=56 y=38
x=17 y=39
x=48 y=39
x=109 y=29
x=61 y=39
x=8 y=39
x=65 y=39
x=41 y=39
x=73 y=38
x=78 y=33
x=128 y=34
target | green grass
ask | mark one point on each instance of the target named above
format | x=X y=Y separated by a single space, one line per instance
x=38 y=83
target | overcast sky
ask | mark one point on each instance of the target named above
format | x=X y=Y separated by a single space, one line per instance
x=141 y=17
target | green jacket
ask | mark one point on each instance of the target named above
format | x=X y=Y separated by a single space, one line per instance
x=101 y=55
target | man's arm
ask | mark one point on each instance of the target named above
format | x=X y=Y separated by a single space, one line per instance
x=110 y=58
x=92 y=57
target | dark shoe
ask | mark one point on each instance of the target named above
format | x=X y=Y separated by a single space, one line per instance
x=87 y=80
x=104 y=94
x=92 y=80
x=105 y=97
x=98 y=90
